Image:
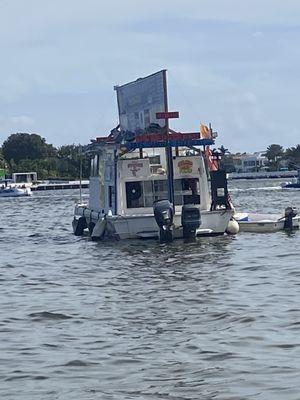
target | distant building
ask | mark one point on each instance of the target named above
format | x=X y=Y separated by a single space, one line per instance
x=250 y=162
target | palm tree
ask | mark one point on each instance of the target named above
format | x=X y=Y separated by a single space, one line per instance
x=274 y=151
x=292 y=154
x=223 y=150
x=274 y=154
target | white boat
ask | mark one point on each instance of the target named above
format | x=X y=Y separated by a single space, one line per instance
x=13 y=191
x=266 y=223
x=149 y=181
x=294 y=184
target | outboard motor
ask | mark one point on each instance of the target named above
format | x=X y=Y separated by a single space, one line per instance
x=289 y=214
x=163 y=213
x=79 y=226
x=190 y=220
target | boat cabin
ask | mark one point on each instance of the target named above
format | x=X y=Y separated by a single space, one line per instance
x=143 y=160
x=129 y=183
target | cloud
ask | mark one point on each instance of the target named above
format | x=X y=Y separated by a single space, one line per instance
x=12 y=87
x=231 y=63
x=13 y=124
x=22 y=120
x=258 y=34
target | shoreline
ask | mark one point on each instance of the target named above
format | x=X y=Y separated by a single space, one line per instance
x=262 y=175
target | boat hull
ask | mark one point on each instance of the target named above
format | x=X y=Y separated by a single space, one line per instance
x=15 y=192
x=144 y=226
x=291 y=186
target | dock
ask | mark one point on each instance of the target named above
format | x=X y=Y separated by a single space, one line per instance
x=60 y=185
x=263 y=175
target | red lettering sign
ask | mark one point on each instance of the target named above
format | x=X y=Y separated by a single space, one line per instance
x=167 y=115
x=158 y=137
x=135 y=166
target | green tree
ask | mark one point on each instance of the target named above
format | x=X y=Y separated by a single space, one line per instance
x=223 y=150
x=71 y=157
x=2 y=160
x=274 y=151
x=274 y=154
x=23 y=152
x=226 y=161
x=292 y=154
x=20 y=146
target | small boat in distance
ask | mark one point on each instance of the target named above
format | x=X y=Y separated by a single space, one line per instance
x=10 y=190
x=19 y=185
x=295 y=184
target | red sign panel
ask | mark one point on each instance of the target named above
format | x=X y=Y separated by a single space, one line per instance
x=158 y=137
x=167 y=115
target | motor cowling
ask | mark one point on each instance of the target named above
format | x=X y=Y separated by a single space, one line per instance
x=289 y=214
x=190 y=220
x=79 y=226
x=164 y=214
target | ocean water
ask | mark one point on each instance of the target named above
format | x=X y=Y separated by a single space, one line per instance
x=214 y=319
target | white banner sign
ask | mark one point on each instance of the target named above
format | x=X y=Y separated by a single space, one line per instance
x=139 y=101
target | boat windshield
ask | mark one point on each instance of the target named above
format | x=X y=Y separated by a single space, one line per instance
x=143 y=193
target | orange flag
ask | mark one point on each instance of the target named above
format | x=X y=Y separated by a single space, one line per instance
x=205 y=132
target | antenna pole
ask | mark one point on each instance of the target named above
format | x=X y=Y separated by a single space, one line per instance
x=80 y=174
x=169 y=155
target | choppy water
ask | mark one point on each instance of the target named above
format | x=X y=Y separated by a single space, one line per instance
x=215 y=319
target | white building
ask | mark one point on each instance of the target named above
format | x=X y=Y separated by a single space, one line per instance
x=250 y=162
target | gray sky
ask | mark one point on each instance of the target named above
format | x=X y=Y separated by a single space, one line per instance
x=234 y=63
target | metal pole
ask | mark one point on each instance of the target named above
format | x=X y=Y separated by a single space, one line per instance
x=116 y=181
x=80 y=175
x=169 y=155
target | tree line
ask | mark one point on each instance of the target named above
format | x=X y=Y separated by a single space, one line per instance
x=277 y=156
x=25 y=152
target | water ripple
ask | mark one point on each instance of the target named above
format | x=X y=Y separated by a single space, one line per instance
x=215 y=319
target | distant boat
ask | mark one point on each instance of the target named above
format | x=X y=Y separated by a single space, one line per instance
x=13 y=191
x=294 y=184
